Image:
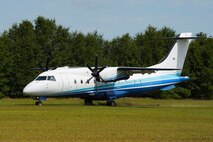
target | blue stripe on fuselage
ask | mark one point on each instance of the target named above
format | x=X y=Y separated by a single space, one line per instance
x=131 y=86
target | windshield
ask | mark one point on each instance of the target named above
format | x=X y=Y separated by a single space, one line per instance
x=41 y=78
x=51 y=78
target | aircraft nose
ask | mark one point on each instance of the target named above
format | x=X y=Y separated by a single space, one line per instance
x=30 y=89
x=27 y=90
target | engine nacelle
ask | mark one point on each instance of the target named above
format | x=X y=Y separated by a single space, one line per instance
x=111 y=74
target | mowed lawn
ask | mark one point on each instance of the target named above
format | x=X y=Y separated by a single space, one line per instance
x=133 y=120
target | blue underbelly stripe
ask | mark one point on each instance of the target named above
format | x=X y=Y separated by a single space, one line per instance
x=133 y=85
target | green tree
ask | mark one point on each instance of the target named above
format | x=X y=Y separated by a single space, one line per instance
x=123 y=51
x=45 y=31
x=199 y=67
x=6 y=64
x=22 y=41
x=61 y=47
x=153 y=45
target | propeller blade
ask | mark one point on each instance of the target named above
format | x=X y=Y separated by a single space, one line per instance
x=101 y=69
x=102 y=79
x=89 y=80
x=89 y=68
x=96 y=63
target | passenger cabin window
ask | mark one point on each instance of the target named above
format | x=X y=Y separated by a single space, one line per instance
x=51 y=78
x=41 y=78
x=75 y=81
x=81 y=81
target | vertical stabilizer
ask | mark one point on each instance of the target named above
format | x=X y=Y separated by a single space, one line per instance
x=177 y=55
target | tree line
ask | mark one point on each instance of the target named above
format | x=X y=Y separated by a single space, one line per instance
x=34 y=44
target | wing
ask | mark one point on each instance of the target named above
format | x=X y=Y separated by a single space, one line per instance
x=144 y=69
x=123 y=73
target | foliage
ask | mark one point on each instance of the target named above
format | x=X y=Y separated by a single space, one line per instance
x=199 y=66
x=28 y=45
x=177 y=93
x=1 y=95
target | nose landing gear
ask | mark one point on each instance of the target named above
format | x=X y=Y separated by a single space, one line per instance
x=38 y=103
x=39 y=100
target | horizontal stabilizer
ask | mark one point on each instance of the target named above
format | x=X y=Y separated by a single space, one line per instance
x=192 y=37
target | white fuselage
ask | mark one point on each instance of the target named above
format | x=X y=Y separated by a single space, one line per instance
x=73 y=81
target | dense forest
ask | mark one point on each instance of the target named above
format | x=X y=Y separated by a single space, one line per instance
x=32 y=44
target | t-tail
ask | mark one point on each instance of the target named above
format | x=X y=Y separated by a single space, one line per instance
x=178 y=53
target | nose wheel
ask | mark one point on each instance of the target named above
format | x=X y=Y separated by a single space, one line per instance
x=39 y=100
x=38 y=103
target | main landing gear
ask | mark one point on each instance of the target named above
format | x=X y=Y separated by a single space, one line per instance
x=89 y=102
x=111 y=103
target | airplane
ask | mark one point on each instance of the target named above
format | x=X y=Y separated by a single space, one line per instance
x=111 y=83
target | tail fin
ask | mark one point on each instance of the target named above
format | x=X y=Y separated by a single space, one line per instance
x=177 y=55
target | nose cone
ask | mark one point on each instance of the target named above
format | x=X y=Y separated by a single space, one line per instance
x=32 y=89
x=28 y=90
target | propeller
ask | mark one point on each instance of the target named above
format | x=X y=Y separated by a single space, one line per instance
x=95 y=71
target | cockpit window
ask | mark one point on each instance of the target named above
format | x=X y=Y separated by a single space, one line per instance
x=41 y=78
x=51 y=78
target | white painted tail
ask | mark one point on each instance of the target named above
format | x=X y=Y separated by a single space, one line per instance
x=177 y=55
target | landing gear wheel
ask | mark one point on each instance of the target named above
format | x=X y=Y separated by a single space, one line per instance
x=111 y=103
x=88 y=102
x=38 y=103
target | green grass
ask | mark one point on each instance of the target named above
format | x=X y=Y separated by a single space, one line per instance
x=131 y=121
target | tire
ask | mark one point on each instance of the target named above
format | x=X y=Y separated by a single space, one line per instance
x=88 y=102
x=38 y=103
x=111 y=103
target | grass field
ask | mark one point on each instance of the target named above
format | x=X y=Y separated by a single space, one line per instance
x=133 y=120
